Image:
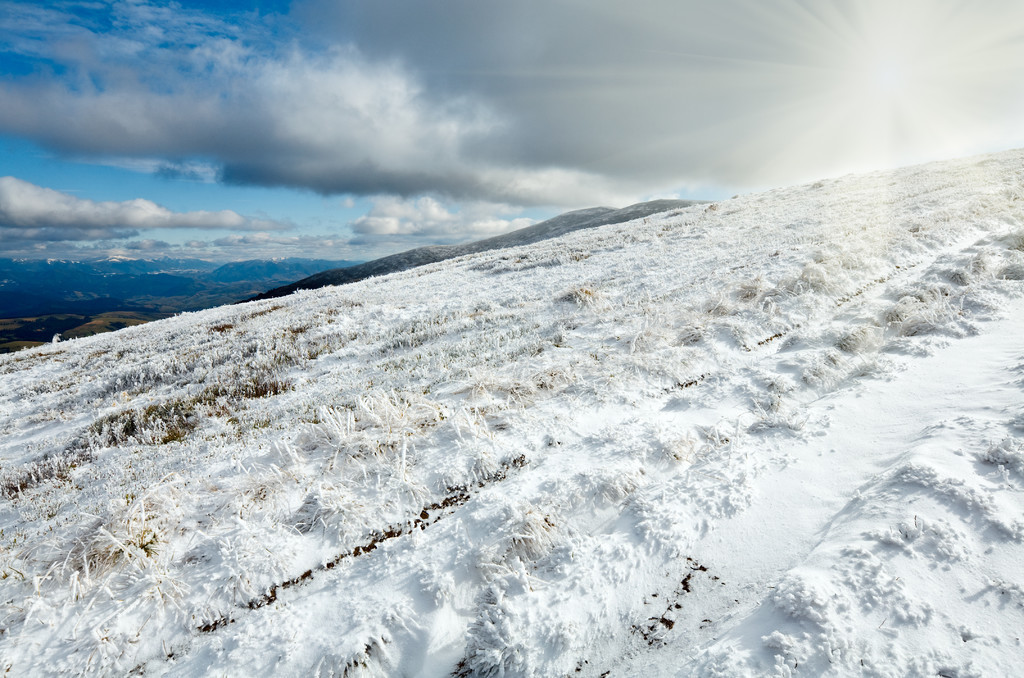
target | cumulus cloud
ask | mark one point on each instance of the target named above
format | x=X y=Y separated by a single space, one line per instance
x=32 y=212
x=10 y=237
x=165 y=87
x=426 y=217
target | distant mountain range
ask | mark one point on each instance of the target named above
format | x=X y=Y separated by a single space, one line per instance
x=552 y=228
x=31 y=287
x=41 y=298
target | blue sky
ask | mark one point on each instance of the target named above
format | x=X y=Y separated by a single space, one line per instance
x=350 y=129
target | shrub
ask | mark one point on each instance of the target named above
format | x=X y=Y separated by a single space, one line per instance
x=922 y=311
x=581 y=296
x=156 y=424
x=861 y=339
x=59 y=465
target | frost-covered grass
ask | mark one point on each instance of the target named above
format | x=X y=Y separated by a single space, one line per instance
x=638 y=448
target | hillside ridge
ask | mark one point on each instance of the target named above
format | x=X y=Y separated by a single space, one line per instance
x=568 y=222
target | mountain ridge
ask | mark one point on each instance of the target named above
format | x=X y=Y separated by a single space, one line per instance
x=567 y=222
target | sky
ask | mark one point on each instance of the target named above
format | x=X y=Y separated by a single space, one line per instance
x=351 y=129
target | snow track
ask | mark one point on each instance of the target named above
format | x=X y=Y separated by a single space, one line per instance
x=776 y=435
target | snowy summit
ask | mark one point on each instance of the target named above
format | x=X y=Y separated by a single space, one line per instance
x=778 y=435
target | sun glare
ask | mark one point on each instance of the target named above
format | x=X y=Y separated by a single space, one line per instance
x=875 y=80
x=876 y=85
x=890 y=77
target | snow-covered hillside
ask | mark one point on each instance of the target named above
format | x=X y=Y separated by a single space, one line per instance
x=568 y=222
x=780 y=435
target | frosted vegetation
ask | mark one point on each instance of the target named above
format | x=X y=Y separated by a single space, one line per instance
x=778 y=435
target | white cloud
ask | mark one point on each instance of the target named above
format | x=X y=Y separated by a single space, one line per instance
x=427 y=217
x=179 y=92
x=26 y=207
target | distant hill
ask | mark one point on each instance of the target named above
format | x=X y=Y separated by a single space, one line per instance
x=19 y=333
x=39 y=298
x=552 y=228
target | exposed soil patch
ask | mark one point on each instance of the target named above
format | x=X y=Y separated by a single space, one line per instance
x=654 y=629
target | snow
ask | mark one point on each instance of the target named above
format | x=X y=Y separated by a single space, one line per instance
x=551 y=228
x=779 y=435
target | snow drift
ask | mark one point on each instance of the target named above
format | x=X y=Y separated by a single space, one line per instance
x=778 y=435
